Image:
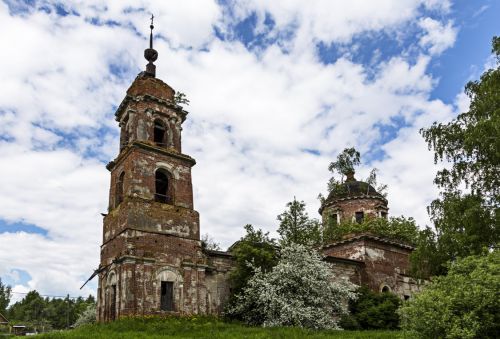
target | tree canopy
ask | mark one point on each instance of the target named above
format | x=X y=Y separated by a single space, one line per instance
x=5 y=295
x=462 y=304
x=471 y=141
x=466 y=215
x=255 y=249
x=298 y=291
x=296 y=226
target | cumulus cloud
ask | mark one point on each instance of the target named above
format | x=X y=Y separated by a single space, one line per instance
x=264 y=123
x=438 y=36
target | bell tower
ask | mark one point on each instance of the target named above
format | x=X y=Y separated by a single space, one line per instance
x=151 y=256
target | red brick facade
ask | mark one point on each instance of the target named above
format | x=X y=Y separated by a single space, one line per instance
x=152 y=261
x=151 y=257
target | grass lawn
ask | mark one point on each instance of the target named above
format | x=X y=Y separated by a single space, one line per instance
x=203 y=327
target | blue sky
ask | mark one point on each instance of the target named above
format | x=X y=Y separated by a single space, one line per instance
x=277 y=89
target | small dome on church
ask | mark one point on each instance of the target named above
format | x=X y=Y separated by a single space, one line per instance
x=352 y=189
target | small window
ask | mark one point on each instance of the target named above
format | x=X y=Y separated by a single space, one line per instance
x=124 y=135
x=386 y=289
x=119 y=189
x=333 y=219
x=112 y=304
x=359 y=217
x=407 y=297
x=162 y=187
x=167 y=296
x=383 y=214
x=159 y=133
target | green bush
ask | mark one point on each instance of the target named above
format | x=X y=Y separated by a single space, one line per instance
x=88 y=316
x=462 y=304
x=372 y=311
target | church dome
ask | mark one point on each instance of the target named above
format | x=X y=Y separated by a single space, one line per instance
x=354 y=188
x=351 y=190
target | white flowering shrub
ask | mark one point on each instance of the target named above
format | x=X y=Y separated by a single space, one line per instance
x=88 y=316
x=298 y=291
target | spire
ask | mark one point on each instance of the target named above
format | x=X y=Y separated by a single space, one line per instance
x=151 y=54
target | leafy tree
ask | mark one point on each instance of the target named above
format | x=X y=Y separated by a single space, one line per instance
x=88 y=316
x=255 y=249
x=296 y=226
x=5 y=295
x=462 y=304
x=466 y=222
x=426 y=260
x=39 y=312
x=208 y=243
x=372 y=310
x=471 y=141
x=345 y=164
x=396 y=228
x=298 y=291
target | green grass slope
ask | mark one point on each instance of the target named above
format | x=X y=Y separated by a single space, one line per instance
x=203 y=327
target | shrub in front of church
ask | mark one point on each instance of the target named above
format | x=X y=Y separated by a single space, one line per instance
x=372 y=310
x=463 y=304
x=88 y=316
x=298 y=291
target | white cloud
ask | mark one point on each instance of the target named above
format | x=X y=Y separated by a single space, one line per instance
x=438 y=36
x=253 y=116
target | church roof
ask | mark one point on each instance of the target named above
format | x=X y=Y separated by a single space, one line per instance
x=352 y=189
x=370 y=236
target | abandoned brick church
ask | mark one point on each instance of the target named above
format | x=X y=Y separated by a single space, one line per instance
x=152 y=260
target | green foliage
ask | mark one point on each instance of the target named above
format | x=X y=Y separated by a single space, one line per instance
x=344 y=165
x=471 y=141
x=372 y=180
x=204 y=327
x=181 y=99
x=88 y=316
x=372 y=310
x=346 y=161
x=208 y=243
x=5 y=295
x=296 y=226
x=426 y=260
x=466 y=223
x=39 y=312
x=462 y=304
x=396 y=228
x=299 y=291
x=255 y=249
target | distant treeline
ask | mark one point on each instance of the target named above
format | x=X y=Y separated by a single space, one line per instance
x=42 y=314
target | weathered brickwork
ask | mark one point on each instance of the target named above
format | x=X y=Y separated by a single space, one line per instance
x=385 y=263
x=152 y=261
x=151 y=258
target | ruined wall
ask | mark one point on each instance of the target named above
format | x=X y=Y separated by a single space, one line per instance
x=346 y=208
x=345 y=269
x=145 y=259
x=219 y=268
x=385 y=264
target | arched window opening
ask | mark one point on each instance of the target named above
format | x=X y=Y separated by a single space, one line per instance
x=386 y=289
x=119 y=189
x=159 y=133
x=124 y=135
x=167 y=296
x=334 y=219
x=359 y=217
x=162 y=187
